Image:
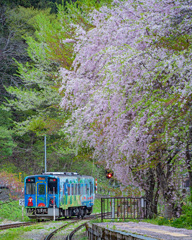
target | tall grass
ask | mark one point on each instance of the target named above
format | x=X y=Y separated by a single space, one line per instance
x=97 y=206
x=12 y=211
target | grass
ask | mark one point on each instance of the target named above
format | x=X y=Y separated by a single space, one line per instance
x=17 y=233
x=97 y=206
x=14 y=233
x=12 y=211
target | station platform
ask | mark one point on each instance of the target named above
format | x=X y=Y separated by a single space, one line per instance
x=138 y=231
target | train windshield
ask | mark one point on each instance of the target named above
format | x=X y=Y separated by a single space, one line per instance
x=52 y=185
x=30 y=186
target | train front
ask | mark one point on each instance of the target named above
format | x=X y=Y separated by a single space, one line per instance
x=42 y=196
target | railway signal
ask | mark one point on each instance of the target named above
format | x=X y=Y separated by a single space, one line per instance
x=109 y=174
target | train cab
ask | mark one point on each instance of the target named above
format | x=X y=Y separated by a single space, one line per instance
x=41 y=192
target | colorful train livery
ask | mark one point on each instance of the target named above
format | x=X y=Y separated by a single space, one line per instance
x=59 y=194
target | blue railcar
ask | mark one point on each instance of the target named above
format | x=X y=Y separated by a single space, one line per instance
x=58 y=194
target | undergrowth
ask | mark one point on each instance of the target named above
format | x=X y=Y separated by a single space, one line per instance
x=97 y=206
x=12 y=211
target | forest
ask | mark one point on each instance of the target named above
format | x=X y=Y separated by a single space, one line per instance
x=30 y=103
x=109 y=85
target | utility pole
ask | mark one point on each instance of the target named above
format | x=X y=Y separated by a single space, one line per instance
x=45 y=154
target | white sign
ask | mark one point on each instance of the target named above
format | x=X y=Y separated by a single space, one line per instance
x=21 y=202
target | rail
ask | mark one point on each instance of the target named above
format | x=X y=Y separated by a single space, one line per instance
x=70 y=235
x=15 y=225
x=58 y=229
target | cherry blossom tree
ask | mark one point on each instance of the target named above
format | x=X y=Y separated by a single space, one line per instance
x=129 y=92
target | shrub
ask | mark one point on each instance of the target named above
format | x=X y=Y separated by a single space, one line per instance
x=185 y=220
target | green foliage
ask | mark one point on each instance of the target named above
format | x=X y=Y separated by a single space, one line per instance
x=5 y=119
x=163 y=221
x=93 y=4
x=97 y=206
x=39 y=4
x=12 y=211
x=8 y=167
x=34 y=99
x=185 y=220
x=6 y=142
x=21 y=21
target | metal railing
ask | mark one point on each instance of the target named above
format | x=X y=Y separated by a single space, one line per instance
x=123 y=208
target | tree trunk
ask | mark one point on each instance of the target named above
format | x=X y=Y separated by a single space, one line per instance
x=168 y=212
x=151 y=198
x=188 y=163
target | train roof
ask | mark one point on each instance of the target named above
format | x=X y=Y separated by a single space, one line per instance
x=62 y=174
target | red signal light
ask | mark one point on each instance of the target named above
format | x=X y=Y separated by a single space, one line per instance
x=109 y=175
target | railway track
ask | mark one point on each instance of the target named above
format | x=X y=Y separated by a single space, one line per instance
x=58 y=229
x=69 y=236
x=15 y=225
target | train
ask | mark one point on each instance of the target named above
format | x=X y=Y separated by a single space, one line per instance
x=58 y=194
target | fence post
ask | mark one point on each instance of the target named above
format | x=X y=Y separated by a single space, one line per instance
x=113 y=208
x=101 y=209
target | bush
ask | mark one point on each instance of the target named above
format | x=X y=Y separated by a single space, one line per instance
x=185 y=220
x=162 y=221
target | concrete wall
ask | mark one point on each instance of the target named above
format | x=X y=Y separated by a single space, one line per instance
x=95 y=232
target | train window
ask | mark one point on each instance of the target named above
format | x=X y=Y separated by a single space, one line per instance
x=85 y=189
x=72 y=189
x=52 y=185
x=76 y=189
x=79 y=189
x=41 y=189
x=30 y=188
x=64 y=187
x=82 y=189
x=88 y=189
x=68 y=189
x=91 y=188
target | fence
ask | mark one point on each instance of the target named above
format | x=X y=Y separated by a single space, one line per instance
x=123 y=208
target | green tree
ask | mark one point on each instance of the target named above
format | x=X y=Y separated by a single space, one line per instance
x=35 y=102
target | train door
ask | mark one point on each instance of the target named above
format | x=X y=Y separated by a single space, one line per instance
x=30 y=193
x=41 y=189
